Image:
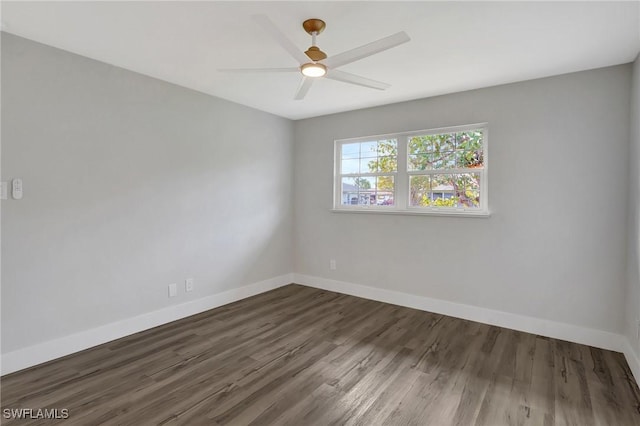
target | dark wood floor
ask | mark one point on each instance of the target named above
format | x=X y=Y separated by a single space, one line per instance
x=301 y=356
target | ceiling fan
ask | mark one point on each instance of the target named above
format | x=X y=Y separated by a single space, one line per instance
x=314 y=63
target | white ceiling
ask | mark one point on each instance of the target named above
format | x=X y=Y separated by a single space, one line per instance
x=455 y=46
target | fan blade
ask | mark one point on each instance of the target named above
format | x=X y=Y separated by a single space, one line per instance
x=366 y=50
x=356 y=79
x=303 y=88
x=249 y=70
x=268 y=25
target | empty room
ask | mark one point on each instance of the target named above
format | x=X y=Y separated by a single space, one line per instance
x=320 y=213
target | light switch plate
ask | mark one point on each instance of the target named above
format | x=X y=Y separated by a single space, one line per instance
x=16 y=189
x=173 y=290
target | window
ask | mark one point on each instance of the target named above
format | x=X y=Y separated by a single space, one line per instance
x=367 y=172
x=442 y=171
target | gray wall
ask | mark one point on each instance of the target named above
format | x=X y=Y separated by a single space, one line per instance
x=130 y=184
x=633 y=289
x=555 y=244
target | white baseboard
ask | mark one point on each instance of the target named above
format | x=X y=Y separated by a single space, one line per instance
x=47 y=351
x=543 y=327
x=632 y=359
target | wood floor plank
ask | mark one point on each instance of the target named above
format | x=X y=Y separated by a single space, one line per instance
x=573 y=395
x=542 y=391
x=302 y=356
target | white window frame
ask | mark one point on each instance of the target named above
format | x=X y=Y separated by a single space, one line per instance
x=401 y=176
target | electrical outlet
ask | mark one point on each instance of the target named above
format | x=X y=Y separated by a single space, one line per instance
x=173 y=290
x=188 y=285
x=332 y=264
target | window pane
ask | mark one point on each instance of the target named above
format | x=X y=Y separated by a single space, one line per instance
x=387 y=155
x=445 y=151
x=349 y=191
x=350 y=150
x=470 y=159
x=384 y=183
x=468 y=190
x=350 y=166
x=369 y=165
x=443 y=160
x=419 y=162
x=420 y=144
x=369 y=157
x=366 y=183
x=470 y=141
x=444 y=143
x=387 y=147
x=445 y=190
x=385 y=194
x=419 y=188
x=432 y=152
x=387 y=164
x=369 y=149
x=469 y=145
x=432 y=143
x=366 y=190
x=456 y=190
x=432 y=160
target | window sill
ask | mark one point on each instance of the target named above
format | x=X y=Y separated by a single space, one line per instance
x=464 y=213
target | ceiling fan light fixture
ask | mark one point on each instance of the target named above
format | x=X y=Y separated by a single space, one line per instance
x=313 y=69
